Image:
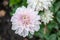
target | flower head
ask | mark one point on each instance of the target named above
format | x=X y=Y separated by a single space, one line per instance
x=46 y=17
x=39 y=4
x=25 y=20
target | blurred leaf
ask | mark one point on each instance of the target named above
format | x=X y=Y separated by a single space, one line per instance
x=58 y=38
x=24 y=2
x=52 y=37
x=52 y=9
x=40 y=32
x=30 y=35
x=52 y=24
x=13 y=10
x=58 y=33
x=57 y=6
x=58 y=16
x=13 y=2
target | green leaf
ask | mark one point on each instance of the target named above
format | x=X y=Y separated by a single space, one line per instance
x=30 y=35
x=58 y=33
x=13 y=10
x=24 y=2
x=52 y=37
x=37 y=34
x=52 y=24
x=58 y=16
x=57 y=6
x=13 y=2
x=40 y=33
x=58 y=38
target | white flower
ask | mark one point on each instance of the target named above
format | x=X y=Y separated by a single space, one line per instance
x=39 y=4
x=46 y=17
x=25 y=21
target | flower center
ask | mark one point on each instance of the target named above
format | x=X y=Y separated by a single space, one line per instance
x=25 y=19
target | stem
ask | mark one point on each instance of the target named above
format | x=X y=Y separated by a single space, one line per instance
x=45 y=29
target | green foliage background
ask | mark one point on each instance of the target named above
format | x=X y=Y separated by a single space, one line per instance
x=52 y=29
